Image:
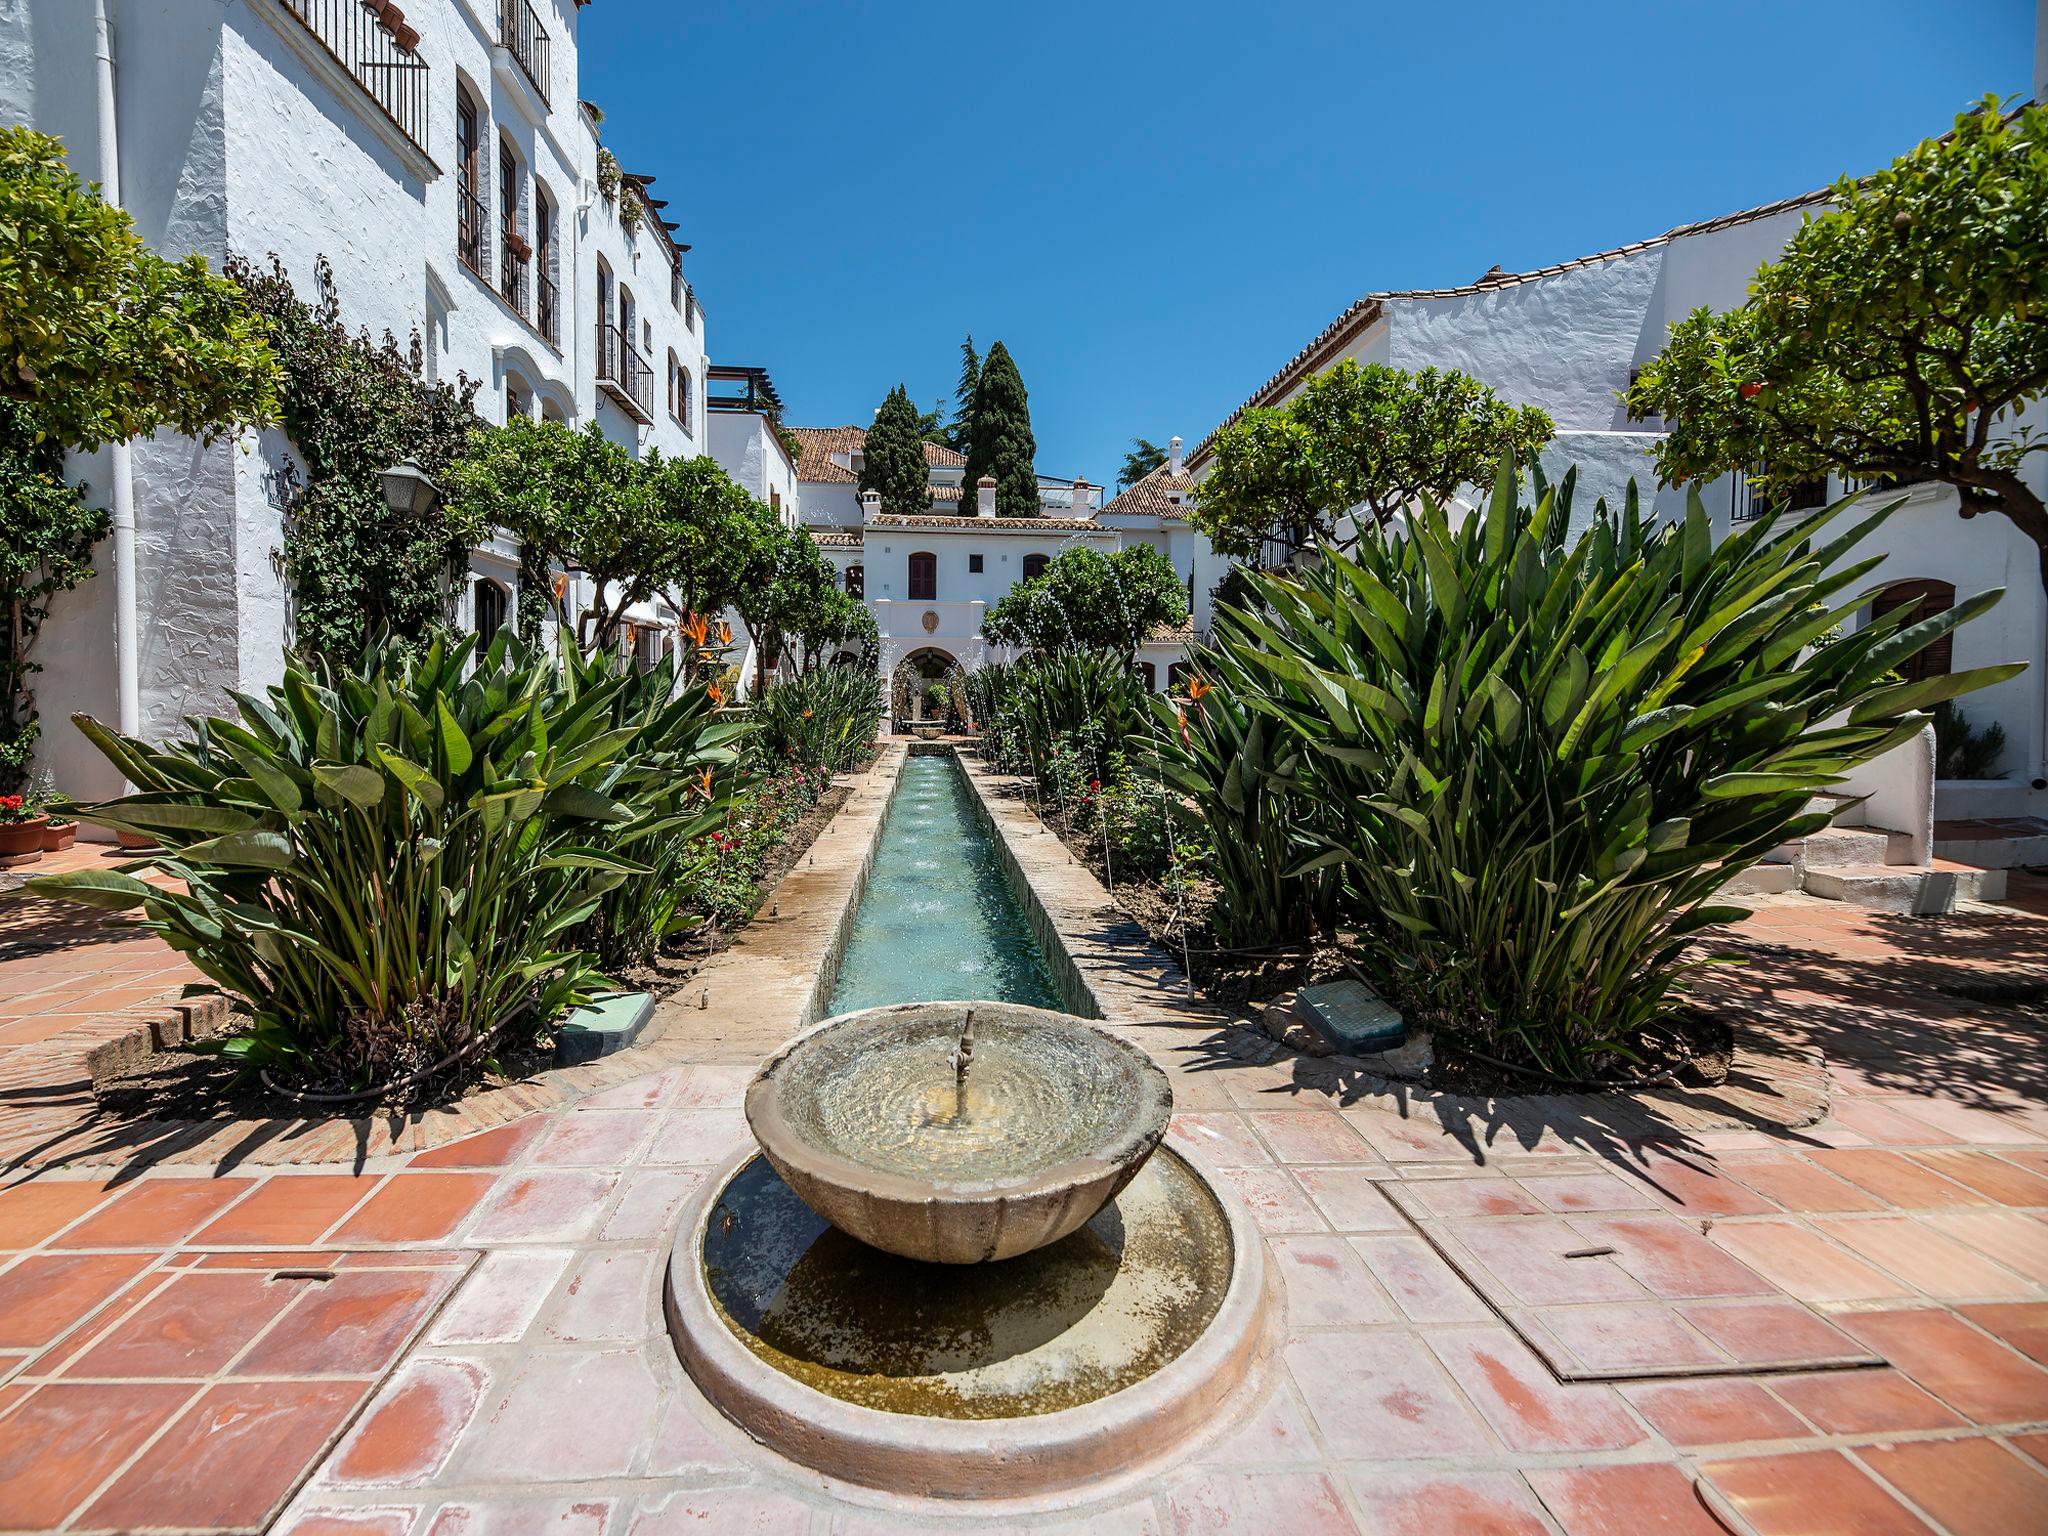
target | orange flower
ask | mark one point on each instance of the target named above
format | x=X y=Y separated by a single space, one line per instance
x=1185 y=739
x=704 y=784
x=695 y=627
x=717 y=694
x=561 y=584
x=807 y=714
x=1197 y=688
x=724 y=633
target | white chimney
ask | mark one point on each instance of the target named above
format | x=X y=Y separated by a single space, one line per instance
x=1173 y=456
x=870 y=504
x=1079 y=502
x=985 y=496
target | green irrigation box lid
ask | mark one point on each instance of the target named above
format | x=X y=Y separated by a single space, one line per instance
x=1351 y=1016
x=609 y=1022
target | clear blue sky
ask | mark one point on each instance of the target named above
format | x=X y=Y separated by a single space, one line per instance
x=1155 y=205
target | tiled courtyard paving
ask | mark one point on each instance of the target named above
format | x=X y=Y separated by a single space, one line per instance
x=180 y=1345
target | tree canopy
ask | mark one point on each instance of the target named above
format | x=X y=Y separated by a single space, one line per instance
x=959 y=432
x=102 y=337
x=1000 y=441
x=1089 y=599
x=1367 y=437
x=1895 y=338
x=1144 y=457
x=893 y=458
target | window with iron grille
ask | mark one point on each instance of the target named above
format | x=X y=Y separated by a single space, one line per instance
x=470 y=221
x=513 y=250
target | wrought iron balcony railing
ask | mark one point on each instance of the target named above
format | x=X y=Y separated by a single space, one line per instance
x=548 y=317
x=1746 y=502
x=470 y=223
x=519 y=29
x=378 y=52
x=623 y=373
x=513 y=263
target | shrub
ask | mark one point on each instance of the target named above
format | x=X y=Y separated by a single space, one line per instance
x=1961 y=750
x=1536 y=764
x=824 y=721
x=1057 y=717
x=380 y=865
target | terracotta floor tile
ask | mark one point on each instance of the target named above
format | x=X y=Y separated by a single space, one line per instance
x=1975 y=1375
x=1974 y=1487
x=66 y=1439
x=1402 y=1139
x=1669 y=1258
x=526 y=1438
x=1327 y=1284
x=1632 y=1336
x=2016 y=1240
x=1226 y=1140
x=697 y=1136
x=595 y=1138
x=1934 y=1264
x=31 y=1212
x=44 y=1294
x=1274 y=1199
x=1275 y=1434
x=1696 y=1188
x=498 y=1147
x=1524 y=1403
x=350 y=1522
x=408 y=1433
x=1631 y=1500
x=2022 y=1324
x=1566 y=1193
x=611 y=1297
x=1885 y=1121
x=156 y=1213
x=1896 y=1178
x=1961 y=1122
x=231 y=1459
x=1423 y=1286
x=554 y=1205
x=1769 y=1333
x=1796 y=1184
x=1526 y=1257
x=1220 y=1503
x=502 y=1297
x=1992 y=1177
x=1863 y=1402
x=1311 y=1136
x=1379 y=1395
x=650 y=1202
x=1446 y=1504
x=1349 y=1199
x=559 y=1517
x=351 y=1325
x=1801 y=1262
x=1486 y=1195
x=1810 y=1493
x=288 y=1210
x=416 y=1208
x=2035 y=1446
x=1713 y=1412
x=193 y=1326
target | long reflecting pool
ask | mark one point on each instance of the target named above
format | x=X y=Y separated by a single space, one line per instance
x=938 y=918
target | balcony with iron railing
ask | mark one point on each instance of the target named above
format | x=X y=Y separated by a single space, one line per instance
x=521 y=35
x=514 y=262
x=1748 y=502
x=547 y=317
x=377 y=49
x=623 y=374
x=471 y=221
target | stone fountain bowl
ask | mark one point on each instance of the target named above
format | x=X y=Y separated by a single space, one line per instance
x=860 y=1118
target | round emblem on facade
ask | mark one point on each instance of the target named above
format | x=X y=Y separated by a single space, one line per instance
x=931 y=622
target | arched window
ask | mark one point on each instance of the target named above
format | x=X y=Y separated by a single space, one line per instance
x=490 y=609
x=685 y=400
x=856 y=581
x=513 y=250
x=1034 y=567
x=1926 y=599
x=924 y=577
x=675 y=386
x=607 y=343
x=1150 y=673
x=470 y=222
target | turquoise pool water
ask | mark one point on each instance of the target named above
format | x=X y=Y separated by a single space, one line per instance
x=938 y=918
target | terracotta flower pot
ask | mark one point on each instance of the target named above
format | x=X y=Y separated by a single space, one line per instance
x=134 y=840
x=21 y=842
x=57 y=837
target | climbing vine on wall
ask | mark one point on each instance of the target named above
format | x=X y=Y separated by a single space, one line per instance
x=353 y=406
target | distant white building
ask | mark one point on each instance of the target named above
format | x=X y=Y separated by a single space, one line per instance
x=439 y=158
x=929 y=579
x=1569 y=338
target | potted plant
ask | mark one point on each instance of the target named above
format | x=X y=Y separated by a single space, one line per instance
x=58 y=834
x=21 y=830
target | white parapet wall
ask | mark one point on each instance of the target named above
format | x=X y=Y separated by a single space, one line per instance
x=1897 y=789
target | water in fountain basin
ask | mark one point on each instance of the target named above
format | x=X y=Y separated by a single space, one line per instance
x=938 y=918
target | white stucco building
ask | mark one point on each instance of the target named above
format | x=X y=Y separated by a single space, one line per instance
x=929 y=579
x=440 y=161
x=1568 y=338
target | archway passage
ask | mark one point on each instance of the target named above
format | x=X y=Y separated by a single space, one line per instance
x=911 y=683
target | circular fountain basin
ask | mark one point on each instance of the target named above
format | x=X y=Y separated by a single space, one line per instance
x=1073 y=1362
x=865 y=1118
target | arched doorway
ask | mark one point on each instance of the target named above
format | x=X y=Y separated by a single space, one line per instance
x=919 y=693
x=1925 y=598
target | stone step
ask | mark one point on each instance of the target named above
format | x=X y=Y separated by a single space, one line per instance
x=1763 y=880
x=1854 y=845
x=1905 y=889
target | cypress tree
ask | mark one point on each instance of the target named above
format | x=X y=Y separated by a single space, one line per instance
x=959 y=434
x=1001 y=443
x=893 y=458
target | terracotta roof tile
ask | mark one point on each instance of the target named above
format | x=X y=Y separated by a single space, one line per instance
x=1340 y=332
x=820 y=443
x=952 y=524
x=835 y=538
x=1148 y=496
